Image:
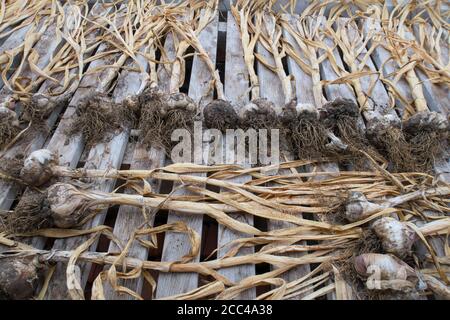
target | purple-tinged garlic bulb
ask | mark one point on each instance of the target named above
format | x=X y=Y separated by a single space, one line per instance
x=19 y=277
x=396 y=237
x=358 y=207
x=37 y=167
x=385 y=271
x=67 y=205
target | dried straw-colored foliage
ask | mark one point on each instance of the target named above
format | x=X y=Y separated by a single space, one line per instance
x=353 y=210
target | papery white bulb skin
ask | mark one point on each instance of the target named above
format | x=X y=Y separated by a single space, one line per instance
x=177 y=101
x=396 y=237
x=9 y=115
x=306 y=108
x=38 y=167
x=358 y=207
x=66 y=204
x=385 y=271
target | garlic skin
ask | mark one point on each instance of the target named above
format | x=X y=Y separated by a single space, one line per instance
x=260 y=106
x=19 y=277
x=9 y=115
x=177 y=101
x=307 y=108
x=384 y=267
x=396 y=237
x=66 y=204
x=37 y=167
x=358 y=207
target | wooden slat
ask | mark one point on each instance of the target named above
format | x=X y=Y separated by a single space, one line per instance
x=25 y=147
x=17 y=38
x=381 y=58
x=236 y=90
x=102 y=156
x=332 y=92
x=271 y=89
x=176 y=244
x=45 y=48
x=130 y=218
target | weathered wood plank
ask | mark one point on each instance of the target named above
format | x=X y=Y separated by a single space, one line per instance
x=25 y=147
x=17 y=38
x=102 y=156
x=271 y=88
x=332 y=92
x=130 y=218
x=175 y=244
x=236 y=90
x=49 y=43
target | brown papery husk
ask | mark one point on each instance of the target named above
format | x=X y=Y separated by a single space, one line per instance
x=158 y=120
x=427 y=134
x=390 y=141
x=20 y=277
x=31 y=213
x=98 y=116
x=220 y=114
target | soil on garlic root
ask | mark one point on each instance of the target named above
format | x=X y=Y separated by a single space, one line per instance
x=309 y=138
x=97 y=116
x=391 y=143
x=427 y=134
x=161 y=114
x=8 y=131
x=12 y=166
x=220 y=114
x=341 y=117
x=31 y=213
x=260 y=114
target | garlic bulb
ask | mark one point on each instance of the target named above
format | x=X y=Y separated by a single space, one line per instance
x=177 y=101
x=19 y=277
x=66 y=204
x=384 y=267
x=37 y=168
x=358 y=207
x=396 y=237
x=9 y=115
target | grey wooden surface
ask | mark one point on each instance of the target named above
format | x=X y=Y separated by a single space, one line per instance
x=25 y=147
x=176 y=244
x=101 y=156
x=236 y=90
x=271 y=89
